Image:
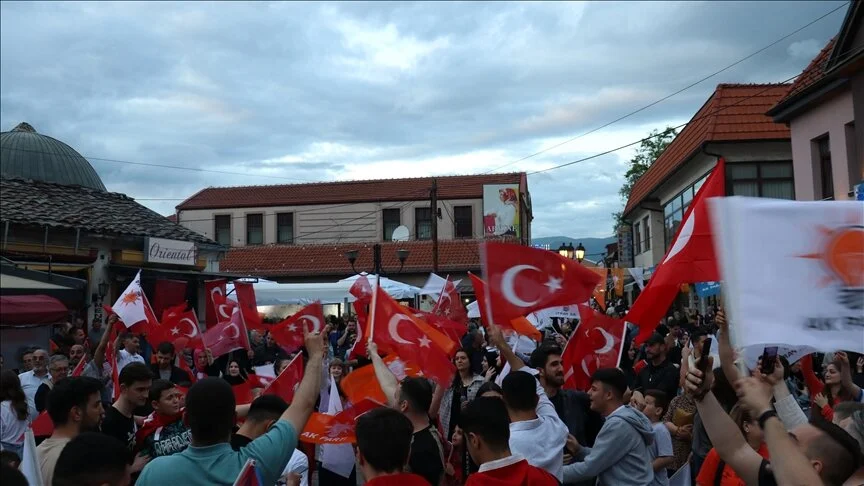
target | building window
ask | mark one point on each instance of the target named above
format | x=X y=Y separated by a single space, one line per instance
x=761 y=179
x=826 y=175
x=222 y=224
x=646 y=228
x=673 y=212
x=423 y=223
x=464 y=224
x=392 y=219
x=254 y=229
x=285 y=228
x=637 y=239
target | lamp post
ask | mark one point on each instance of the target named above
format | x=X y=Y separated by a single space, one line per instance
x=580 y=252
x=377 y=269
x=566 y=251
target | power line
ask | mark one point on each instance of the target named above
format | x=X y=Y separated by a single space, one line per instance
x=634 y=112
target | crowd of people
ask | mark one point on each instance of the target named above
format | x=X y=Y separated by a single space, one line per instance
x=506 y=418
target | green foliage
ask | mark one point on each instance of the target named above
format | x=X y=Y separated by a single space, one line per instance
x=649 y=150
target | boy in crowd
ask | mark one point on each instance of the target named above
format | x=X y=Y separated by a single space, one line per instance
x=383 y=460
x=164 y=432
x=135 y=381
x=656 y=402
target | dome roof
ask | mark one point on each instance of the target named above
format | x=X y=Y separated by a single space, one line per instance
x=29 y=155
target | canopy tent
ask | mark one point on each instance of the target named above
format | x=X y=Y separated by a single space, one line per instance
x=274 y=293
x=31 y=310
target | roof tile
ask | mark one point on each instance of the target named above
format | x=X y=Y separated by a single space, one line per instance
x=735 y=112
x=811 y=74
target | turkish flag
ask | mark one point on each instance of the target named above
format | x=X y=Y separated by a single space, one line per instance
x=290 y=332
x=285 y=385
x=111 y=358
x=167 y=293
x=690 y=259
x=519 y=324
x=595 y=344
x=362 y=291
x=42 y=425
x=179 y=327
x=79 y=368
x=322 y=428
x=522 y=280
x=249 y=475
x=449 y=304
x=411 y=339
x=215 y=296
x=450 y=328
x=242 y=393
x=246 y=301
x=362 y=383
x=227 y=336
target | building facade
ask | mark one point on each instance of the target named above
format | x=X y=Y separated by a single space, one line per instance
x=301 y=232
x=821 y=109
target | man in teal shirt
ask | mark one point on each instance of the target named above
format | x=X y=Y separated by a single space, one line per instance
x=210 y=410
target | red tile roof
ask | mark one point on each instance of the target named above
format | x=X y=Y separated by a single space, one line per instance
x=735 y=112
x=811 y=74
x=408 y=189
x=172 y=218
x=329 y=259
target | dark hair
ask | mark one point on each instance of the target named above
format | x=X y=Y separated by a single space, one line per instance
x=661 y=399
x=520 y=391
x=92 y=458
x=839 y=451
x=10 y=389
x=266 y=407
x=417 y=391
x=540 y=356
x=74 y=329
x=612 y=378
x=69 y=393
x=488 y=418
x=464 y=351
x=9 y=457
x=134 y=373
x=723 y=390
x=278 y=363
x=165 y=348
x=384 y=439
x=210 y=410
x=12 y=476
x=127 y=335
x=489 y=386
x=843 y=393
x=158 y=387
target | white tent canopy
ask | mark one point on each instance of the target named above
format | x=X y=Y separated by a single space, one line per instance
x=274 y=293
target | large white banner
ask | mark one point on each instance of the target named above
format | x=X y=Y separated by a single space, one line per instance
x=793 y=271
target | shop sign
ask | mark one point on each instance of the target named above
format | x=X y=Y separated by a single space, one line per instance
x=171 y=252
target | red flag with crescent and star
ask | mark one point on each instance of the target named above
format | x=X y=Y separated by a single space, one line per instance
x=215 y=298
x=399 y=331
x=290 y=332
x=227 y=336
x=362 y=291
x=690 y=259
x=522 y=280
x=179 y=327
x=248 y=305
x=519 y=324
x=595 y=344
x=285 y=385
x=449 y=304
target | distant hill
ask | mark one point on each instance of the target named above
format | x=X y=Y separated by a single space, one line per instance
x=593 y=246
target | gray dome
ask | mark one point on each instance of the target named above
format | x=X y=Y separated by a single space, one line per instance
x=29 y=155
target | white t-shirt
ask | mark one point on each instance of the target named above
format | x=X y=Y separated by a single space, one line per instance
x=30 y=383
x=124 y=358
x=299 y=464
x=662 y=447
x=11 y=428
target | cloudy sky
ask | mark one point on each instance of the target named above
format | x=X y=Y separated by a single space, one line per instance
x=294 y=92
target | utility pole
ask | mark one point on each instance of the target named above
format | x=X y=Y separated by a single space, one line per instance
x=434 y=210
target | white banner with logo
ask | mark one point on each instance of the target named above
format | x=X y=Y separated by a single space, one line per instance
x=793 y=271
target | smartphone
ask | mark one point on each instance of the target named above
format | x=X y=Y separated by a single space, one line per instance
x=705 y=352
x=769 y=359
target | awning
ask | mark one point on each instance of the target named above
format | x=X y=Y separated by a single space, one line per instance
x=17 y=281
x=31 y=310
x=171 y=273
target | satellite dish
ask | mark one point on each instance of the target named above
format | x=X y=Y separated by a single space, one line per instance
x=400 y=234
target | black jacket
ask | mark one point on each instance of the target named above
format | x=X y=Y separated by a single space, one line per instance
x=178 y=376
x=663 y=377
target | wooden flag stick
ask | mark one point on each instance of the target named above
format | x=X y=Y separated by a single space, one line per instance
x=372 y=307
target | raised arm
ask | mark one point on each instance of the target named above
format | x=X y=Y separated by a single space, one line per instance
x=99 y=353
x=437 y=398
x=724 y=346
x=388 y=381
x=304 y=400
x=787 y=407
x=496 y=337
x=846 y=375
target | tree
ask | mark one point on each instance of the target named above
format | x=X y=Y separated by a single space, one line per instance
x=649 y=150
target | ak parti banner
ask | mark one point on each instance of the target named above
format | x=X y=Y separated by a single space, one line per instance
x=600 y=290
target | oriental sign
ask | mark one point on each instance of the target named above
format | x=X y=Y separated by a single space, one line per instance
x=172 y=252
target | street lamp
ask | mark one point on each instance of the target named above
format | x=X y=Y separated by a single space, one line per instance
x=401 y=254
x=103 y=289
x=580 y=252
x=566 y=251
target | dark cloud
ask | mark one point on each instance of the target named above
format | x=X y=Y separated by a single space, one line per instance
x=289 y=91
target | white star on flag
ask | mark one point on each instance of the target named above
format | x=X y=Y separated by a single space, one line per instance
x=424 y=341
x=554 y=284
x=175 y=331
x=292 y=328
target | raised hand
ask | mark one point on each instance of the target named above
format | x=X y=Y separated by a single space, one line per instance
x=755 y=394
x=315 y=344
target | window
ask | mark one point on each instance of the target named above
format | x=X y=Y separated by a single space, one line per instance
x=673 y=213
x=392 y=219
x=423 y=223
x=761 y=179
x=637 y=239
x=826 y=175
x=222 y=224
x=463 y=216
x=646 y=228
x=254 y=229
x=285 y=228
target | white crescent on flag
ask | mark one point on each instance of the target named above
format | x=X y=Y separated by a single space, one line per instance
x=507 y=282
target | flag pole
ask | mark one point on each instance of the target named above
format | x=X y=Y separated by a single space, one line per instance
x=372 y=307
x=441 y=295
x=486 y=287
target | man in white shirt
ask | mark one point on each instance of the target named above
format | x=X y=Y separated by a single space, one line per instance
x=33 y=379
x=536 y=431
x=129 y=353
